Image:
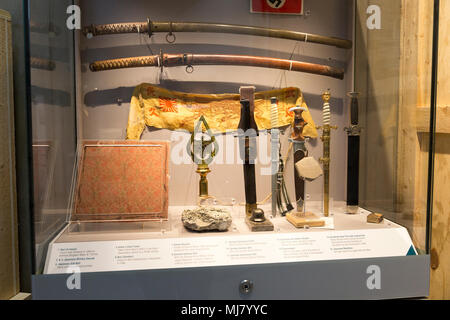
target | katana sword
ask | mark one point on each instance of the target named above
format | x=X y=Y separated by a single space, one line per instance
x=190 y=60
x=353 y=132
x=300 y=152
x=150 y=27
x=43 y=64
x=50 y=29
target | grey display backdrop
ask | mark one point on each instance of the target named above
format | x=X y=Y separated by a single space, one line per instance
x=104 y=118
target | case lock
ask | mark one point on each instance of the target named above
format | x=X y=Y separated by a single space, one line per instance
x=246 y=287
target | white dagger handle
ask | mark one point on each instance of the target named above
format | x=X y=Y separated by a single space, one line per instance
x=326 y=114
x=274 y=113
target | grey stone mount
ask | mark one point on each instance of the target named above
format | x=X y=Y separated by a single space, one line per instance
x=206 y=219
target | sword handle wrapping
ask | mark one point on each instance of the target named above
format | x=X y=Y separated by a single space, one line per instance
x=354 y=108
x=354 y=111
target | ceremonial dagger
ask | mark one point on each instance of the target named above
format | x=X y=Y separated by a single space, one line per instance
x=301 y=218
x=150 y=27
x=326 y=158
x=190 y=60
x=247 y=134
x=300 y=152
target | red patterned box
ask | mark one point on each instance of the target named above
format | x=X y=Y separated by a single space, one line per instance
x=122 y=181
x=277 y=6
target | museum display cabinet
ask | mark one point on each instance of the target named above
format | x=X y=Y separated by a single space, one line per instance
x=230 y=149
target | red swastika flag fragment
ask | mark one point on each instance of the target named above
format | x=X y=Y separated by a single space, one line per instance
x=277 y=6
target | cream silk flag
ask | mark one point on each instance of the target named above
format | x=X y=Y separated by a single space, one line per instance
x=160 y=108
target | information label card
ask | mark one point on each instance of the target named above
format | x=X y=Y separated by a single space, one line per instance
x=227 y=250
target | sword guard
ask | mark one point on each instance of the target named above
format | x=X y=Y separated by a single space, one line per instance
x=293 y=109
x=325 y=127
x=354 y=130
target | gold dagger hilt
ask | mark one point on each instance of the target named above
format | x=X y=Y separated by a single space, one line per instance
x=325 y=160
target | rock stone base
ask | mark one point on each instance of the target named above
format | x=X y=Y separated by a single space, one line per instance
x=206 y=219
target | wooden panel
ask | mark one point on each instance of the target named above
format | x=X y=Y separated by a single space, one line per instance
x=442 y=119
x=440 y=277
x=444 y=55
x=417 y=125
x=411 y=139
x=8 y=223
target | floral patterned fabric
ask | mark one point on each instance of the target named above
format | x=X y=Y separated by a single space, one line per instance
x=122 y=180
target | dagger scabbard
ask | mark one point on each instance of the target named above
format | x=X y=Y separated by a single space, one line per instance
x=248 y=131
x=353 y=171
x=189 y=60
x=353 y=154
x=151 y=27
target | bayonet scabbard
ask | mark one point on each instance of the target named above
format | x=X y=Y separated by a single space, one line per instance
x=353 y=153
x=248 y=132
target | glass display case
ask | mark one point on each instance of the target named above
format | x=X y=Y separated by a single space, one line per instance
x=230 y=149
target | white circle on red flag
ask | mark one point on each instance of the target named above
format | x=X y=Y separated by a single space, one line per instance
x=276 y=4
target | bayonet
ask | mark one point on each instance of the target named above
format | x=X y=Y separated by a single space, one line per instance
x=248 y=133
x=275 y=153
x=280 y=196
